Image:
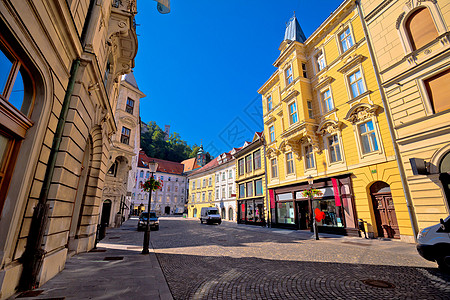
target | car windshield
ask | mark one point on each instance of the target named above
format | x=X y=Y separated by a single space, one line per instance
x=213 y=212
x=145 y=215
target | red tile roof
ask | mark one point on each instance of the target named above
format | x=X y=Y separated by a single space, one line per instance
x=190 y=164
x=213 y=163
x=164 y=166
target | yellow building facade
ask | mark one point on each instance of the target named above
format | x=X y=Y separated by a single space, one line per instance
x=324 y=120
x=201 y=189
x=251 y=183
x=414 y=71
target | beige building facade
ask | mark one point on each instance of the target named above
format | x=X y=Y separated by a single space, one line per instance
x=61 y=67
x=411 y=48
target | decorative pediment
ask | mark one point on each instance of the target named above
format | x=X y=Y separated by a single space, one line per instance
x=270 y=119
x=328 y=127
x=312 y=140
x=272 y=152
x=291 y=95
x=361 y=112
x=351 y=62
x=323 y=81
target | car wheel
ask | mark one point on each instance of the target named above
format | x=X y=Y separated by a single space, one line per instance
x=156 y=228
x=444 y=263
x=201 y=221
x=220 y=222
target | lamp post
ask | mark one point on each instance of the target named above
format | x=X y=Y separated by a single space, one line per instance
x=152 y=166
x=312 y=213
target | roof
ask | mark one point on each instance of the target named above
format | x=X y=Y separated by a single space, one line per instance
x=294 y=32
x=130 y=79
x=190 y=164
x=164 y=166
x=220 y=159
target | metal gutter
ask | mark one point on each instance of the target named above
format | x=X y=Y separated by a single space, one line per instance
x=390 y=124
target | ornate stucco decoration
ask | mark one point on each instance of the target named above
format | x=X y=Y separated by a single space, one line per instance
x=361 y=112
x=414 y=3
x=291 y=95
x=312 y=140
x=329 y=127
x=272 y=152
x=323 y=81
x=351 y=62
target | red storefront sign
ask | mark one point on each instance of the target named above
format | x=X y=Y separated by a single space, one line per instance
x=337 y=198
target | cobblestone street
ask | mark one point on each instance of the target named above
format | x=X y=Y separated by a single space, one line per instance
x=232 y=261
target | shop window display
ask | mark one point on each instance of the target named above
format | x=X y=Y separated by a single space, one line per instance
x=332 y=212
x=286 y=213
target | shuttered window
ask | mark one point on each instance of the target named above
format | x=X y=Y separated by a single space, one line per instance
x=438 y=89
x=421 y=29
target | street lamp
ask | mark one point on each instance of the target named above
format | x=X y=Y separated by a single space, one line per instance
x=311 y=211
x=152 y=166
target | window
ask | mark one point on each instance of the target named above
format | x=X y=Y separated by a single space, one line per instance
x=310 y=109
x=209 y=196
x=356 y=84
x=320 y=61
x=272 y=133
x=223 y=193
x=258 y=187
x=248 y=163
x=204 y=182
x=125 y=137
x=274 y=167
x=217 y=193
x=193 y=184
x=223 y=176
x=293 y=113
x=334 y=149
x=438 y=89
x=242 y=191
x=368 y=137
x=203 y=197
x=147 y=175
x=217 y=178
x=168 y=179
x=420 y=28
x=249 y=189
x=289 y=163
x=309 y=157
x=107 y=71
x=257 y=160
x=269 y=103
x=230 y=174
x=327 y=101
x=305 y=74
x=288 y=75
x=241 y=166
x=176 y=189
x=210 y=181
x=345 y=38
x=113 y=170
x=230 y=191
x=130 y=106
x=141 y=174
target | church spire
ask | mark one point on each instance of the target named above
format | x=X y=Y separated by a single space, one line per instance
x=293 y=31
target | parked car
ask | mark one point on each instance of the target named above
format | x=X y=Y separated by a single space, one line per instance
x=433 y=243
x=210 y=215
x=154 y=222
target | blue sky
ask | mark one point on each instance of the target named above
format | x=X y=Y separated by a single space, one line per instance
x=202 y=64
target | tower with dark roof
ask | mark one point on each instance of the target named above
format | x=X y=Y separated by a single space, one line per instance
x=293 y=31
x=201 y=157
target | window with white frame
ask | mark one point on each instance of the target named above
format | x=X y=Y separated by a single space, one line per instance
x=209 y=196
x=230 y=191
x=230 y=174
x=204 y=182
x=210 y=181
x=269 y=103
x=257 y=160
x=310 y=109
x=249 y=189
x=289 y=163
x=217 y=193
x=309 y=157
x=327 y=100
x=293 y=117
x=203 y=197
x=368 y=137
x=288 y=75
x=274 y=167
x=356 y=83
x=345 y=39
x=320 y=61
x=272 y=133
x=305 y=74
x=223 y=193
x=223 y=176
x=248 y=163
x=334 y=150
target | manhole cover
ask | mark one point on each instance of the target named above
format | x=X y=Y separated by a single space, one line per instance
x=27 y=294
x=98 y=250
x=113 y=258
x=378 y=283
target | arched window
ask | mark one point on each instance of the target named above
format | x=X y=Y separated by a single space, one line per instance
x=16 y=105
x=230 y=214
x=223 y=213
x=195 y=213
x=141 y=174
x=420 y=28
x=147 y=175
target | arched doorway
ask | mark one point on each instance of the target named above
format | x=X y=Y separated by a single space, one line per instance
x=223 y=213
x=195 y=213
x=444 y=176
x=230 y=214
x=167 y=210
x=106 y=213
x=384 y=210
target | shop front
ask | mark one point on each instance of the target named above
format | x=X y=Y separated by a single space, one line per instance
x=251 y=211
x=292 y=209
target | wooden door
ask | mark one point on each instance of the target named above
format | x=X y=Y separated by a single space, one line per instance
x=385 y=215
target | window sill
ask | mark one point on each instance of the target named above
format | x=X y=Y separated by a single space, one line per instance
x=328 y=113
x=359 y=97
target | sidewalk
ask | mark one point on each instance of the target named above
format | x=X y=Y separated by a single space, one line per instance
x=116 y=270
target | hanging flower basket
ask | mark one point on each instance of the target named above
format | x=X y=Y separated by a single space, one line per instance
x=152 y=185
x=312 y=192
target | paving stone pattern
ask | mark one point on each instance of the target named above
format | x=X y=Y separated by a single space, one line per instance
x=230 y=261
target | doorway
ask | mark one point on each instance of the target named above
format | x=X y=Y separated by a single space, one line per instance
x=106 y=212
x=302 y=214
x=384 y=210
x=167 y=210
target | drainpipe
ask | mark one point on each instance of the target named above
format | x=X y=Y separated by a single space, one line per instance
x=34 y=254
x=390 y=124
x=269 y=213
